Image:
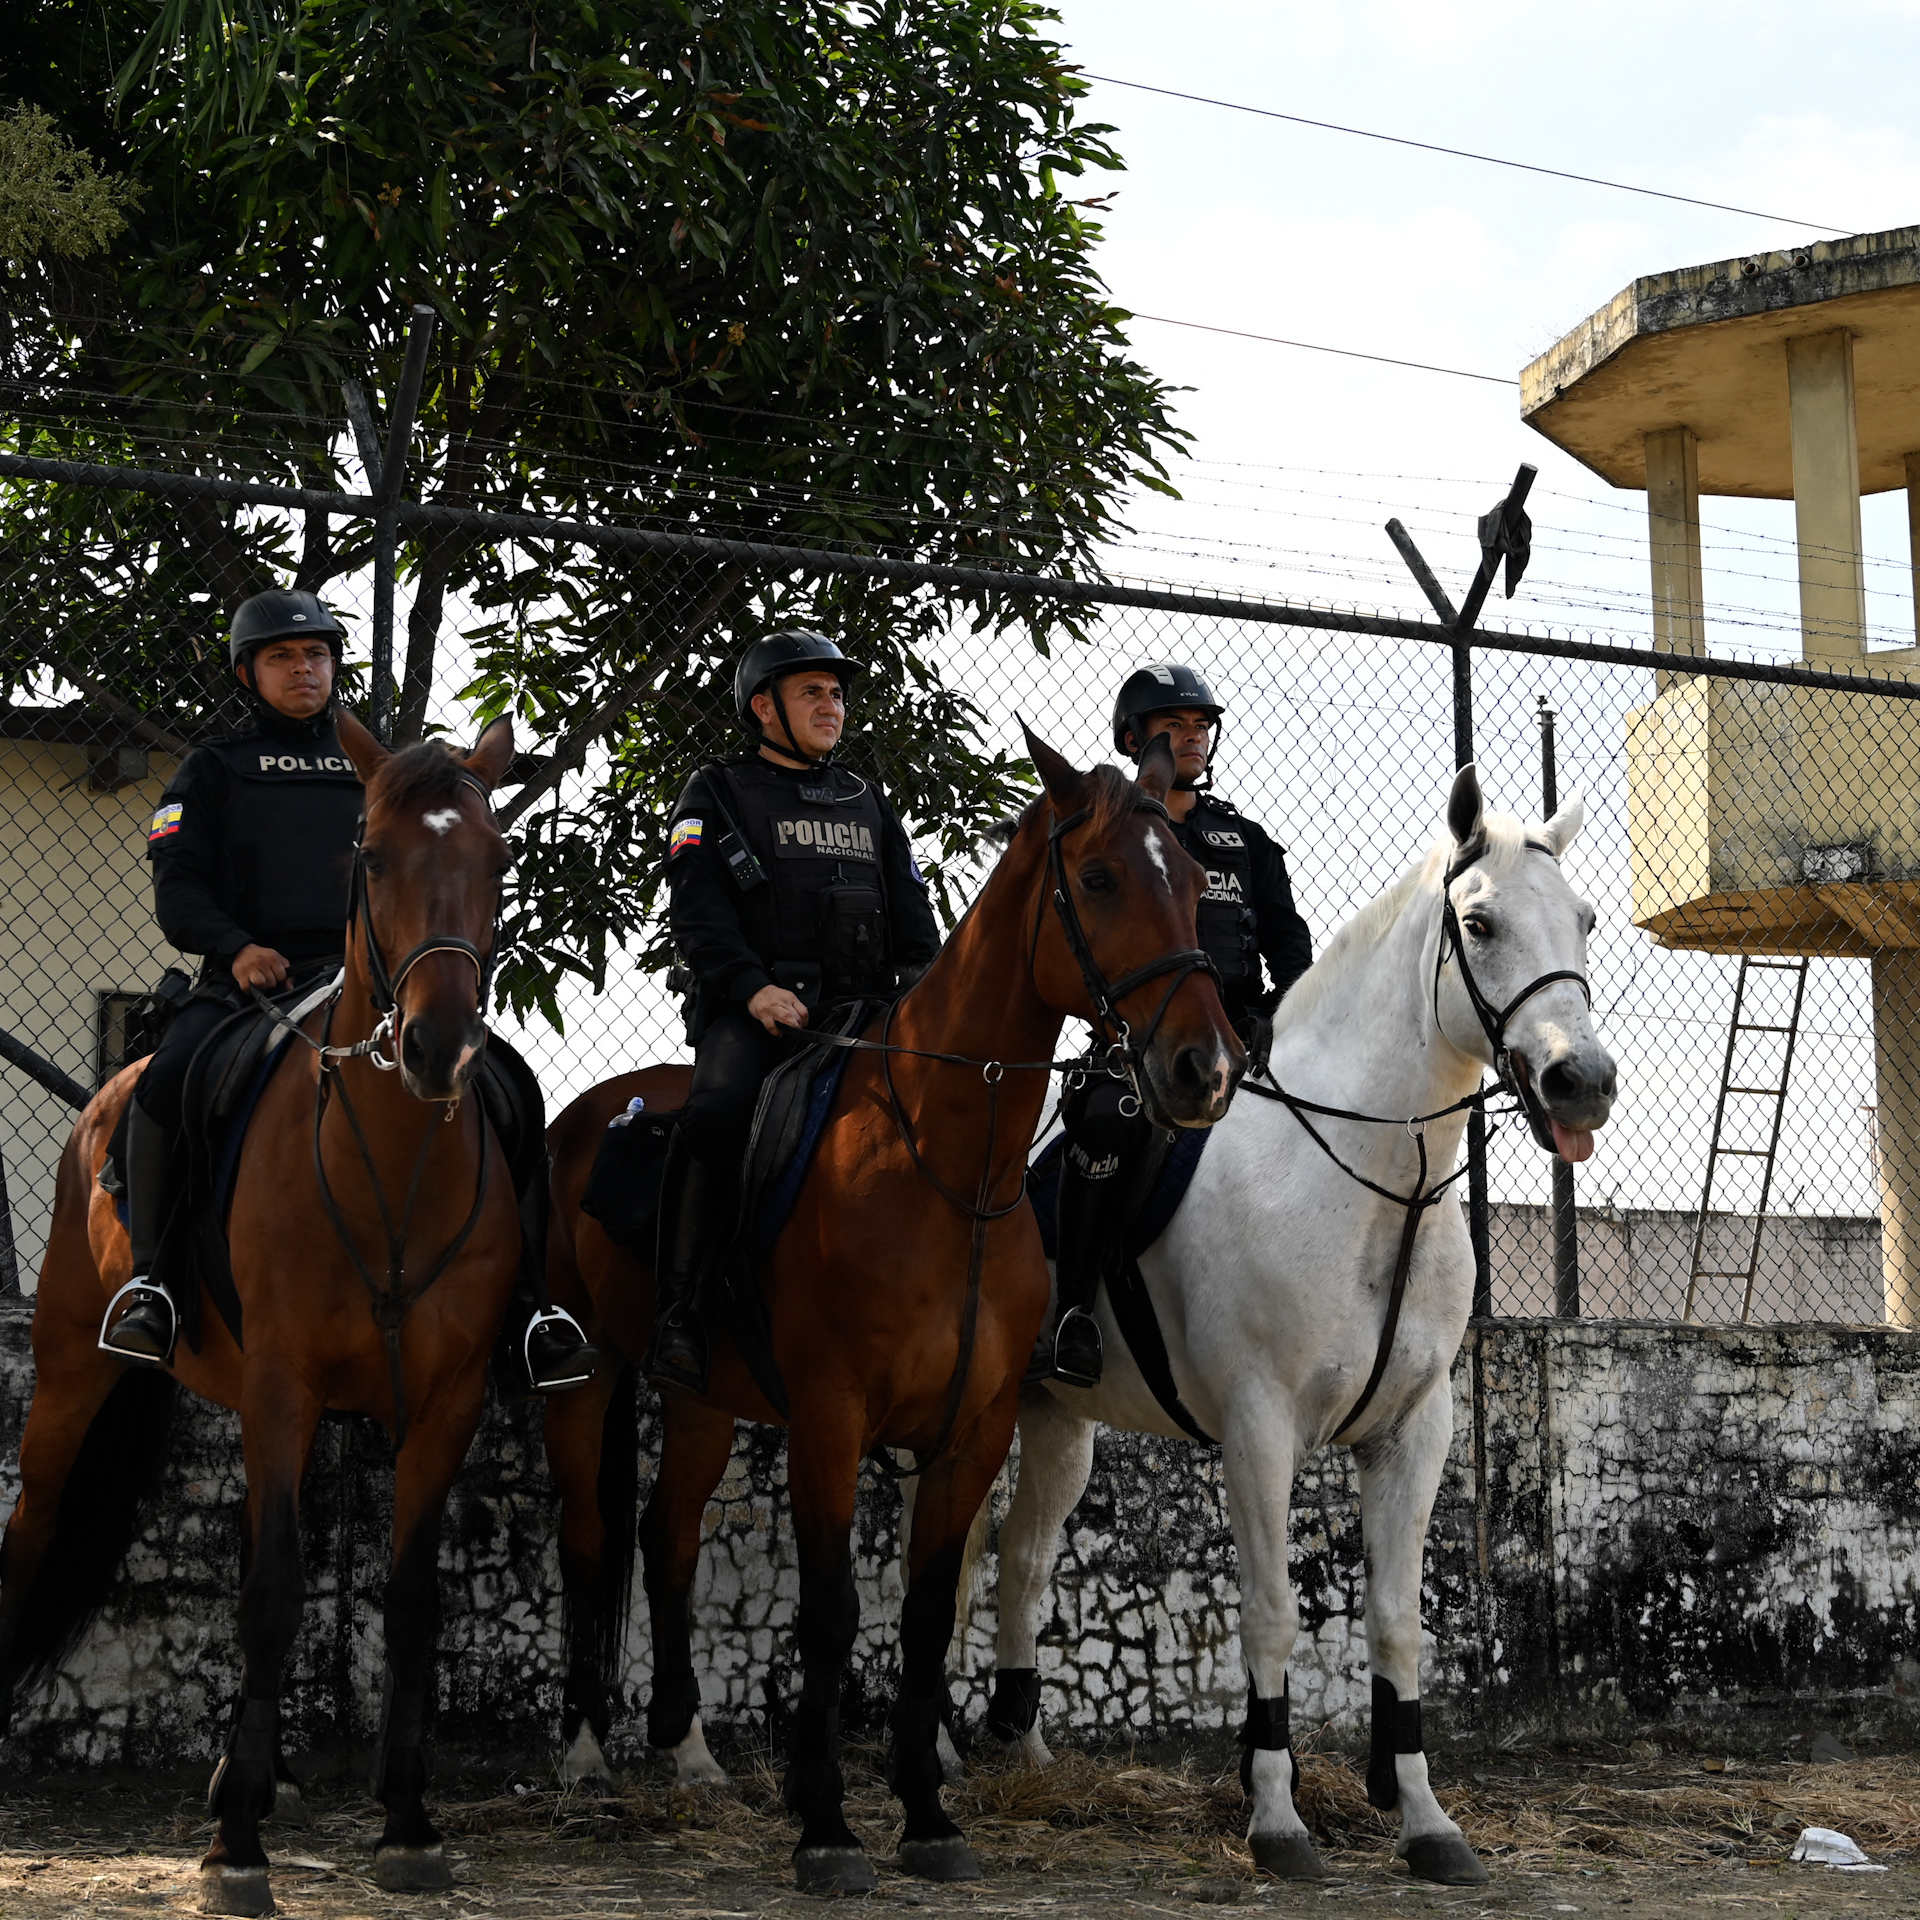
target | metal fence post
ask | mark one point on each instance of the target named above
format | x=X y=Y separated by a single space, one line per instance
x=1479 y=1226
x=1566 y=1223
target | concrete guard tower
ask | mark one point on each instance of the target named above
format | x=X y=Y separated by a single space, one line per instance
x=1773 y=820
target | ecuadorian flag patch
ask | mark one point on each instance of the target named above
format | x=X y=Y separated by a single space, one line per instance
x=165 y=823
x=685 y=838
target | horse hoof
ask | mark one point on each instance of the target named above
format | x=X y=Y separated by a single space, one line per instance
x=236 y=1890
x=1444 y=1857
x=947 y=1859
x=289 y=1806
x=829 y=1870
x=1288 y=1856
x=412 y=1869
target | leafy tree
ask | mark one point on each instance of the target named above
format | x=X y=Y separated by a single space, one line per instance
x=804 y=271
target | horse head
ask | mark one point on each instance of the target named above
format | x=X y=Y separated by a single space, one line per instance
x=1119 y=944
x=426 y=898
x=1510 y=983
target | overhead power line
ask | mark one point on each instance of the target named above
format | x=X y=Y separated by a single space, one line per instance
x=1314 y=346
x=1460 y=153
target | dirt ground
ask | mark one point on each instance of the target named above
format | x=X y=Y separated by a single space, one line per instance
x=1608 y=1830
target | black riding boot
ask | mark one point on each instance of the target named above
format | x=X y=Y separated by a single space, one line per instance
x=1090 y=1209
x=143 y=1336
x=696 y=1215
x=542 y=1348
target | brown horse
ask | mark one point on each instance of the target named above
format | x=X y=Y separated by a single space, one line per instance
x=414 y=1207
x=915 y=1190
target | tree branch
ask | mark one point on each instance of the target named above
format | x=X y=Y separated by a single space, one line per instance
x=571 y=751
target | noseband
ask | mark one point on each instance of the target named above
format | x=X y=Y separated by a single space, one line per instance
x=1126 y=1054
x=1494 y=1020
x=386 y=984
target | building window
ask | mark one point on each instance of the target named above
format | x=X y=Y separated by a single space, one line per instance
x=127 y=1028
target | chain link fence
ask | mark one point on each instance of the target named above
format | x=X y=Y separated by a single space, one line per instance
x=1752 y=846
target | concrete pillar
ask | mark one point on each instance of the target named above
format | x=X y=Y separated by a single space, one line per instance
x=1896 y=1064
x=1826 y=495
x=1913 y=532
x=1673 y=541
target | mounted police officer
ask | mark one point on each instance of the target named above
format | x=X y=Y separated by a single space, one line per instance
x=252 y=850
x=1246 y=916
x=792 y=886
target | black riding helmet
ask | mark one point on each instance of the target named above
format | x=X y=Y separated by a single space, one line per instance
x=1155 y=688
x=278 y=615
x=773 y=658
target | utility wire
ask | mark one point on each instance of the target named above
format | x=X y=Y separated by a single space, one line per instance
x=1314 y=346
x=1460 y=153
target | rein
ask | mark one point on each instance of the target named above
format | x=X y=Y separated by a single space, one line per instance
x=1493 y=1023
x=1125 y=1052
x=390 y=1302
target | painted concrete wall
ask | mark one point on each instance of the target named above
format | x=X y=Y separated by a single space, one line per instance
x=1638 y=1521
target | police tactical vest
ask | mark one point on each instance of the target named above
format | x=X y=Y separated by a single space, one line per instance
x=817 y=837
x=1225 y=920
x=293 y=815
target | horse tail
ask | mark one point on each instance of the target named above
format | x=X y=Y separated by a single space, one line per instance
x=114 y=1479
x=617 y=1493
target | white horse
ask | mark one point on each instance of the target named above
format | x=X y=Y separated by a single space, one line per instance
x=1276 y=1282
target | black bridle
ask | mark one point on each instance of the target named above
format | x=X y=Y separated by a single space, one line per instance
x=1126 y=1052
x=1510 y=1069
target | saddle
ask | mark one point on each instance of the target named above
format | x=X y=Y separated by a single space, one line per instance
x=623 y=1190
x=224 y=1084
x=1171 y=1165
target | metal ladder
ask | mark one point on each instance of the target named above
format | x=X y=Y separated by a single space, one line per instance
x=1716 y=1152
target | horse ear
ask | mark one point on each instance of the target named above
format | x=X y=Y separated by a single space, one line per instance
x=1157 y=768
x=1465 y=808
x=1564 y=828
x=1062 y=779
x=492 y=754
x=366 y=753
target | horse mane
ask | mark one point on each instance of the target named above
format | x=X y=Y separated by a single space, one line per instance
x=1501 y=844
x=1110 y=796
x=425 y=771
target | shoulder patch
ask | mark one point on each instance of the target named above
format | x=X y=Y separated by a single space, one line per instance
x=1219 y=837
x=165 y=823
x=685 y=837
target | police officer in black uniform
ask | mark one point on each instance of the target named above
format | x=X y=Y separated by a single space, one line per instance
x=792 y=887
x=252 y=850
x=1246 y=915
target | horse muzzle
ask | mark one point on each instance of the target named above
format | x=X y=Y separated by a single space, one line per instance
x=1190 y=1086
x=1569 y=1098
x=438 y=1056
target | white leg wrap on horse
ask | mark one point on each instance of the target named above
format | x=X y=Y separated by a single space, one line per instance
x=583 y=1762
x=693 y=1765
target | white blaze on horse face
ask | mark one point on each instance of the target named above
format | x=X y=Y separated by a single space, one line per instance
x=1158 y=858
x=443 y=820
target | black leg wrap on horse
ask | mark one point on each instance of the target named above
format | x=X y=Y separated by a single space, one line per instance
x=1396 y=1730
x=914 y=1765
x=1015 y=1705
x=250 y=1742
x=398 y=1761
x=670 y=1711
x=813 y=1777
x=1268 y=1728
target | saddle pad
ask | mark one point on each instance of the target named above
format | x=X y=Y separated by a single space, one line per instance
x=781 y=1186
x=1148 y=1219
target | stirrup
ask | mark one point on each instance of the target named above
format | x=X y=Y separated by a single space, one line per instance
x=551 y=1317
x=144 y=1291
x=1073 y=1376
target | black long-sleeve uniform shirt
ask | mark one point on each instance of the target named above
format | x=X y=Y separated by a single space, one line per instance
x=1280 y=935
x=704 y=904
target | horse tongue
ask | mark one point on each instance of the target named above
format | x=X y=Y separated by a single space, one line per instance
x=1573 y=1143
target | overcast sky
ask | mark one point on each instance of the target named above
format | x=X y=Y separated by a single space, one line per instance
x=1250 y=223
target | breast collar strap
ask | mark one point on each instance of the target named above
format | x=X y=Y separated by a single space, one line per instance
x=1512 y=1073
x=386 y=984
x=1125 y=1050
